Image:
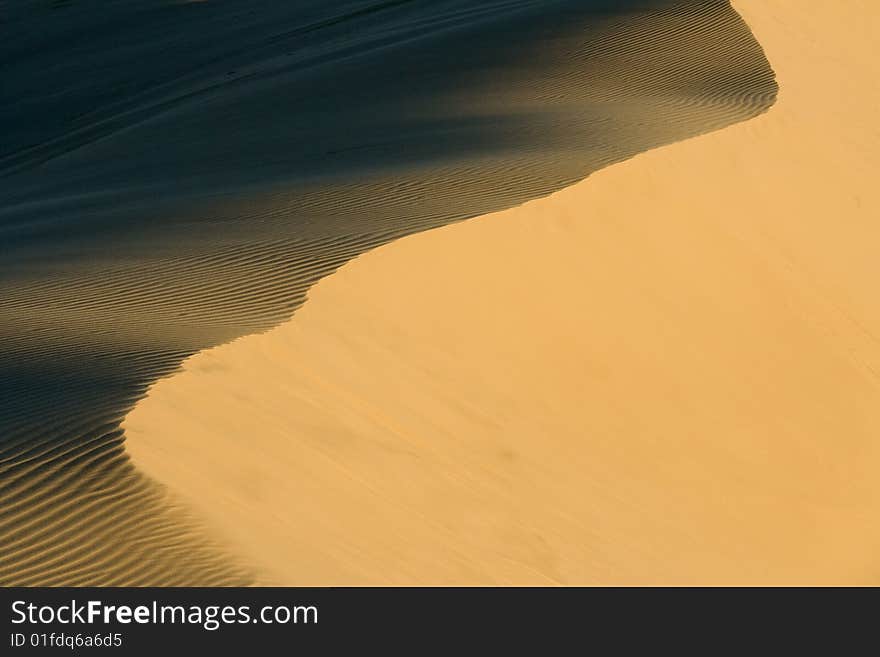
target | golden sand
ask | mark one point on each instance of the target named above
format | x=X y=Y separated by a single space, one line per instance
x=669 y=373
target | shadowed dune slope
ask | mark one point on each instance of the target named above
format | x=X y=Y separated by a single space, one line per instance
x=175 y=176
x=665 y=374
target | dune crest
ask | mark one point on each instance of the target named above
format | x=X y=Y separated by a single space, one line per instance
x=665 y=374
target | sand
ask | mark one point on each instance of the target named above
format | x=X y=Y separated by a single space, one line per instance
x=666 y=374
x=174 y=176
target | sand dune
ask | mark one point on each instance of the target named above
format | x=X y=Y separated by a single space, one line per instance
x=177 y=175
x=669 y=373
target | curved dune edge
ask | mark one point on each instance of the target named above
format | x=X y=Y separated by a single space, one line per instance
x=669 y=373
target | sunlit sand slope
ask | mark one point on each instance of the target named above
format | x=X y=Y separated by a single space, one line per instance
x=669 y=373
